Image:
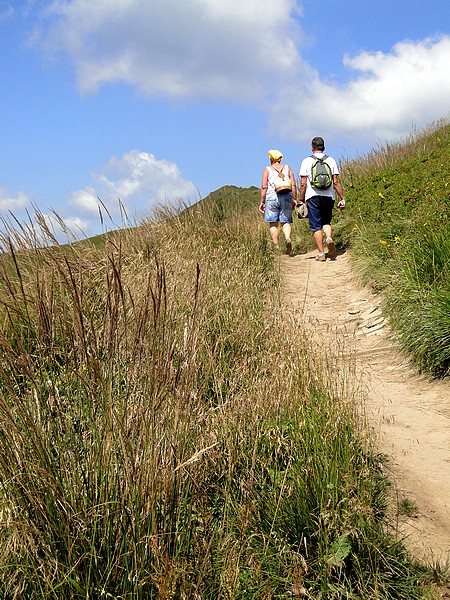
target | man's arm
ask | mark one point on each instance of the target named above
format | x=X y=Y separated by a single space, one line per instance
x=340 y=192
x=302 y=190
x=294 y=186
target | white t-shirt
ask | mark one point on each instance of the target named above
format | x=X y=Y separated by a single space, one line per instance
x=305 y=171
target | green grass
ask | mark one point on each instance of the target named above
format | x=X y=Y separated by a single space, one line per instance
x=396 y=224
x=168 y=431
x=408 y=507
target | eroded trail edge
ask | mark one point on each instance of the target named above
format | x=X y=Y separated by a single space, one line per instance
x=409 y=413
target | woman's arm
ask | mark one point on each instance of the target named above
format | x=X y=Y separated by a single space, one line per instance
x=262 y=204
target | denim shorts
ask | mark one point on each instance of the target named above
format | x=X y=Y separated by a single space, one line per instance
x=320 y=209
x=278 y=209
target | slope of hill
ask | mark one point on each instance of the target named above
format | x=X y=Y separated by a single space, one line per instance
x=168 y=430
x=397 y=226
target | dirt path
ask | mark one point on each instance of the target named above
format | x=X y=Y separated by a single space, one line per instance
x=410 y=413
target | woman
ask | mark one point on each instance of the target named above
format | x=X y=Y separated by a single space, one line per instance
x=277 y=207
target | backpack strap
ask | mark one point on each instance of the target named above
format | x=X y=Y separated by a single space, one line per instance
x=324 y=157
x=280 y=172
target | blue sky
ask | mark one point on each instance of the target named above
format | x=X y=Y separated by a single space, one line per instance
x=148 y=102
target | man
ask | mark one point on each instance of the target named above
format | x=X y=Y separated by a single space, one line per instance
x=320 y=202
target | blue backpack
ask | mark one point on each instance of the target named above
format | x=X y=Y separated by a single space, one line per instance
x=321 y=177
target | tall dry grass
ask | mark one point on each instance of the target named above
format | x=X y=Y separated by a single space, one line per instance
x=167 y=431
x=388 y=155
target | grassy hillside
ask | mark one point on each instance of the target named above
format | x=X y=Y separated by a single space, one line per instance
x=167 y=431
x=397 y=226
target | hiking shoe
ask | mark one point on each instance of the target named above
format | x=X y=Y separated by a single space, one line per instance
x=288 y=246
x=321 y=257
x=331 y=246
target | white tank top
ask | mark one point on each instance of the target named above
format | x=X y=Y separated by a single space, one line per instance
x=273 y=174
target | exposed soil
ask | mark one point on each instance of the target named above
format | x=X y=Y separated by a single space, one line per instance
x=409 y=413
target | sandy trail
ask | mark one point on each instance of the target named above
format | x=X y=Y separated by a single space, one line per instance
x=410 y=413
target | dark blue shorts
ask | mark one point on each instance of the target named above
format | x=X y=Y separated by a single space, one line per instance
x=320 y=209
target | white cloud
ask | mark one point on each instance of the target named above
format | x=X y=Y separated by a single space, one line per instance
x=85 y=200
x=76 y=224
x=139 y=181
x=248 y=52
x=13 y=203
x=194 y=48
x=393 y=94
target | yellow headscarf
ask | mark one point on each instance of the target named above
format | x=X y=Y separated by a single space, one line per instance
x=275 y=155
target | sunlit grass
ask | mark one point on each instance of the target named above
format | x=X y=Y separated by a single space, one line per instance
x=397 y=223
x=168 y=431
